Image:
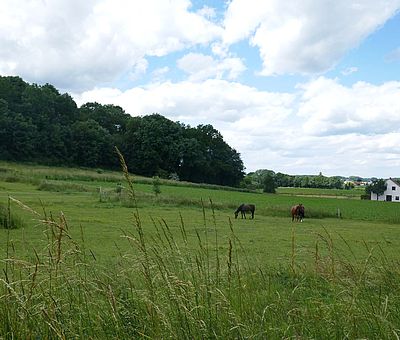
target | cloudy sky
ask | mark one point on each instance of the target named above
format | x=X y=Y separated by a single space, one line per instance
x=294 y=86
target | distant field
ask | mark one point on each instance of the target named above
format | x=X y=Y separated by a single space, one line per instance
x=351 y=193
x=179 y=265
x=89 y=198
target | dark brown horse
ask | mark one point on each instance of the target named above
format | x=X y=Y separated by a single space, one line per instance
x=297 y=212
x=243 y=208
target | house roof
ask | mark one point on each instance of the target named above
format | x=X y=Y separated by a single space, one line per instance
x=397 y=182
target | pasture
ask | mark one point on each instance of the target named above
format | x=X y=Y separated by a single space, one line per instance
x=179 y=264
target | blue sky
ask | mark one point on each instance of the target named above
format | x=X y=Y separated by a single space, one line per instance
x=297 y=87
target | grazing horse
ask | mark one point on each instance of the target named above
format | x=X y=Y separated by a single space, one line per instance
x=243 y=208
x=297 y=212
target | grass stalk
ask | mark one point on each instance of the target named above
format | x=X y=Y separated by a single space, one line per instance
x=293 y=251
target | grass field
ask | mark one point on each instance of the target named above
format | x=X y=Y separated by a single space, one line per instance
x=354 y=193
x=93 y=263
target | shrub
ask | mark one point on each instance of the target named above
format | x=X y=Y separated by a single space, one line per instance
x=156 y=185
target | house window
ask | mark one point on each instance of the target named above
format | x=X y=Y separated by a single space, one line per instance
x=393 y=188
x=397 y=198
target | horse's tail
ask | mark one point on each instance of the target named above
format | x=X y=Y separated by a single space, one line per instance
x=293 y=211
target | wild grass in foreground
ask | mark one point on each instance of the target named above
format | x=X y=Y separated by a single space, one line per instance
x=9 y=220
x=162 y=288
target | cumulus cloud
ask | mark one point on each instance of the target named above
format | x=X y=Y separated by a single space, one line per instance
x=212 y=100
x=324 y=126
x=307 y=36
x=159 y=74
x=200 y=67
x=139 y=69
x=207 y=12
x=253 y=122
x=330 y=108
x=75 y=44
x=349 y=70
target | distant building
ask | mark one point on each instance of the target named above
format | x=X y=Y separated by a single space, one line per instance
x=391 y=194
x=356 y=183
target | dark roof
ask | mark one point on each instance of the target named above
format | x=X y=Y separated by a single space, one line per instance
x=396 y=181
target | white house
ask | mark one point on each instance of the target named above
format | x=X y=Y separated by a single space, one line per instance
x=392 y=192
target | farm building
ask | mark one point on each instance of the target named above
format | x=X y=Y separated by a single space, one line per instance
x=392 y=192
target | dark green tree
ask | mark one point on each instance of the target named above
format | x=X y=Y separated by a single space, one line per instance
x=217 y=162
x=91 y=144
x=377 y=187
x=38 y=123
x=151 y=145
x=19 y=137
x=192 y=163
x=11 y=89
x=269 y=184
x=111 y=117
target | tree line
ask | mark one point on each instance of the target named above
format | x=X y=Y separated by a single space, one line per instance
x=268 y=180
x=39 y=124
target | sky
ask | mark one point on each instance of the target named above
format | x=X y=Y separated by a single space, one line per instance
x=299 y=87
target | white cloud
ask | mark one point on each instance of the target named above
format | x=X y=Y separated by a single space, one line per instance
x=325 y=126
x=349 y=70
x=207 y=12
x=199 y=102
x=200 y=67
x=159 y=74
x=139 y=69
x=75 y=44
x=330 y=108
x=304 y=37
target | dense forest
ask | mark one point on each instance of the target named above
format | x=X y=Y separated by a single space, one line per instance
x=38 y=124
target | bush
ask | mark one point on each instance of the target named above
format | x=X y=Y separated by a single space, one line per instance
x=156 y=185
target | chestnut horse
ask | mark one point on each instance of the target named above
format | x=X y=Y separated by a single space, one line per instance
x=243 y=208
x=297 y=212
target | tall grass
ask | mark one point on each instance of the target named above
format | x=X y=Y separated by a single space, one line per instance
x=162 y=287
x=8 y=219
x=34 y=174
x=63 y=187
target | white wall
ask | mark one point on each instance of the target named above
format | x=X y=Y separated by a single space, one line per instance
x=392 y=189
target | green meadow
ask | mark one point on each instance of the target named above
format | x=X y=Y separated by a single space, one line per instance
x=97 y=254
